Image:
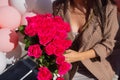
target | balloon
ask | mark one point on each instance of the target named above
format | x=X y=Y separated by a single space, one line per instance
x=27 y=14
x=3 y=3
x=2 y=62
x=14 y=55
x=30 y=5
x=8 y=40
x=37 y=6
x=20 y=5
x=9 y=17
x=52 y=1
x=43 y=6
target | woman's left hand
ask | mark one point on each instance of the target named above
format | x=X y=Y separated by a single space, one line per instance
x=71 y=56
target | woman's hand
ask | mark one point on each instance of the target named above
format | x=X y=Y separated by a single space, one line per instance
x=71 y=56
x=74 y=56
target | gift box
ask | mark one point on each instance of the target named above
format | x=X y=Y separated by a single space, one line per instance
x=24 y=69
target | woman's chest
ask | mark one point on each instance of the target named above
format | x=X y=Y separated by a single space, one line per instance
x=76 y=21
x=92 y=32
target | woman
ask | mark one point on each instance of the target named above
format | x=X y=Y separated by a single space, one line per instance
x=93 y=28
x=114 y=58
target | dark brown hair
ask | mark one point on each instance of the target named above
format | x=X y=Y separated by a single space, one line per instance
x=63 y=4
x=100 y=5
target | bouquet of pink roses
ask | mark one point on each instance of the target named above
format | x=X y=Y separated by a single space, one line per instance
x=46 y=41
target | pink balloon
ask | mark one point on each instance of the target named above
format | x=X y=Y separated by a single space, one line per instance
x=8 y=40
x=27 y=14
x=9 y=17
x=3 y=3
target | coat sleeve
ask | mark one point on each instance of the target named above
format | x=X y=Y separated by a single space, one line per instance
x=105 y=47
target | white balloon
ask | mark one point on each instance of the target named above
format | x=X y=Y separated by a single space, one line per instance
x=14 y=55
x=52 y=1
x=20 y=5
x=37 y=6
x=30 y=5
x=3 y=63
x=43 y=6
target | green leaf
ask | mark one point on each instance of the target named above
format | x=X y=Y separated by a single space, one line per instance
x=21 y=29
x=56 y=71
x=27 y=44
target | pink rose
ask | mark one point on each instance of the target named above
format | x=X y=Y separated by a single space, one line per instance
x=58 y=19
x=67 y=27
x=67 y=43
x=30 y=31
x=64 y=27
x=46 y=35
x=63 y=68
x=60 y=78
x=62 y=43
x=60 y=59
x=34 y=19
x=59 y=51
x=61 y=34
x=61 y=25
x=31 y=28
x=44 y=74
x=35 y=51
x=50 y=49
x=58 y=42
x=30 y=19
x=44 y=40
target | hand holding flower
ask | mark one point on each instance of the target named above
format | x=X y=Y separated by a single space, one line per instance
x=71 y=56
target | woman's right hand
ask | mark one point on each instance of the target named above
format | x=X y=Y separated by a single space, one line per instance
x=71 y=56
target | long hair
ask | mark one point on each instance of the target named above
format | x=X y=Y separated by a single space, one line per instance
x=99 y=4
x=63 y=4
x=58 y=5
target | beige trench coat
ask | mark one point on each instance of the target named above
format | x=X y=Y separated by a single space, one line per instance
x=102 y=43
